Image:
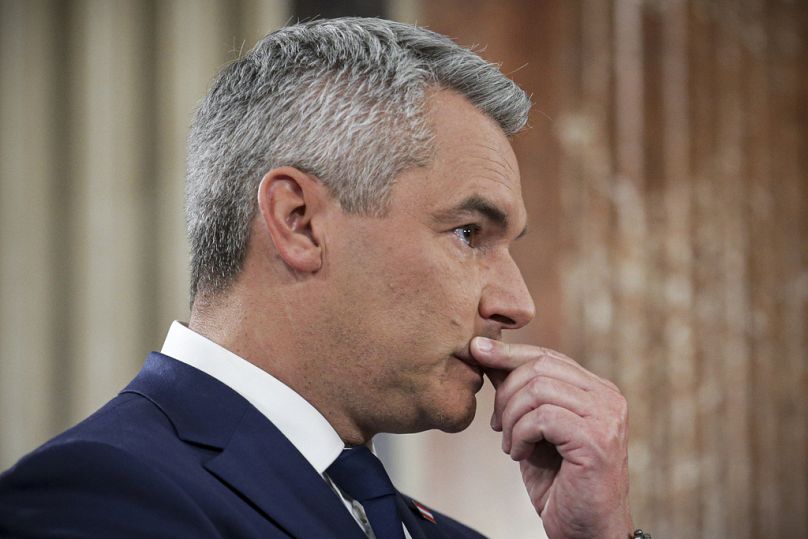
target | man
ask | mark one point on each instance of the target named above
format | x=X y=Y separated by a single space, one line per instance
x=351 y=198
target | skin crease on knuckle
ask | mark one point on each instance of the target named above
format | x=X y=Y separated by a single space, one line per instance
x=515 y=382
x=531 y=429
x=535 y=393
x=524 y=435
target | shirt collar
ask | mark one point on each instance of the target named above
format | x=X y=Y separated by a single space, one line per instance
x=294 y=416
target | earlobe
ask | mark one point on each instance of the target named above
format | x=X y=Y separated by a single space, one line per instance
x=289 y=201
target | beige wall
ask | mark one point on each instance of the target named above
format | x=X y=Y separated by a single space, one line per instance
x=664 y=175
x=96 y=99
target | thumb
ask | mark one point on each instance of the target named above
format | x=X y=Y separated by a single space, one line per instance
x=495 y=365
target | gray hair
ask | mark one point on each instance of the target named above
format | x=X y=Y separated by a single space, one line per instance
x=341 y=99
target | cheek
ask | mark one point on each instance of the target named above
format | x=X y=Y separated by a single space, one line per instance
x=415 y=286
x=435 y=291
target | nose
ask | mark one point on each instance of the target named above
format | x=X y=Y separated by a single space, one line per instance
x=506 y=299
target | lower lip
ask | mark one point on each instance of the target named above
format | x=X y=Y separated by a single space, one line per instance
x=475 y=368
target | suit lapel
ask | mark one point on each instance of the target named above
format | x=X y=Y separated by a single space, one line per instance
x=418 y=526
x=256 y=460
x=266 y=468
x=409 y=518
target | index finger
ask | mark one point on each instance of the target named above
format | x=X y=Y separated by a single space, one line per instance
x=502 y=358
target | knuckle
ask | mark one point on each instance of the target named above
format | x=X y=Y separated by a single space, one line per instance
x=539 y=363
x=537 y=385
x=613 y=433
x=542 y=414
x=520 y=429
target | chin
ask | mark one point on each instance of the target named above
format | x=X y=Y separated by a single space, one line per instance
x=456 y=417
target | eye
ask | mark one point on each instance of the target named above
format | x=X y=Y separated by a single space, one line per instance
x=467 y=234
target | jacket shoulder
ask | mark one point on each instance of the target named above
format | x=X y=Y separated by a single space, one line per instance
x=103 y=478
x=93 y=489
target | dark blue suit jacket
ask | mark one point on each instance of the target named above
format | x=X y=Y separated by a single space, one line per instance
x=177 y=454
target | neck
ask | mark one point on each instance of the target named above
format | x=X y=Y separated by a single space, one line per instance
x=283 y=348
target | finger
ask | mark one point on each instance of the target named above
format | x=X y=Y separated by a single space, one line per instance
x=545 y=365
x=537 y=392
x=502 y=356
x=496 y=376
x=498 y=358
x=558 y=426
x=505 y=356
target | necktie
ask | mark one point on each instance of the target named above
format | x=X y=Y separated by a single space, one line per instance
x=361 y=475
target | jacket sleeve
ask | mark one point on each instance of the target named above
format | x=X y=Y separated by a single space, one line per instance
x=89 y=489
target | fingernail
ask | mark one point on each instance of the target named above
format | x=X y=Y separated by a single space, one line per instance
x=484 y=345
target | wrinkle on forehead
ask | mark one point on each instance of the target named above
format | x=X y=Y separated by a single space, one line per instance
x=488 y=167
x=498 y=172
x=503 y=162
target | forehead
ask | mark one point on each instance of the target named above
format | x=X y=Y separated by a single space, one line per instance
x=472 y=157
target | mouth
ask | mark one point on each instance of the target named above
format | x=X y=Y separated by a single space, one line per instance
x=468 y=360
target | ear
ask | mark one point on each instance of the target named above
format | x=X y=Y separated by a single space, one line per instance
x=289 y=201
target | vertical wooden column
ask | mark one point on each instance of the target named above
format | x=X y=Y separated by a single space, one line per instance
x=28 y=209
x=706 y=277
x=788 y=94
x=733 y=356
x=631 y=233
x=586 y=131
x=762 y=260
x=109 y=247
x=679 y=496
x=765 y=272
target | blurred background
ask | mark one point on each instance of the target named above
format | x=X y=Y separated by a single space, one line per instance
x=665 y=177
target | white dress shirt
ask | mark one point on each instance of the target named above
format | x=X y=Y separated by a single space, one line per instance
x=302 y=424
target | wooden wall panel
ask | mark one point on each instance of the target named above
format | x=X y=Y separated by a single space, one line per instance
x=680 y=253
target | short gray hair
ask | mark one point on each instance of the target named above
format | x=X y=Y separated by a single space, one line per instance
x=341 y=99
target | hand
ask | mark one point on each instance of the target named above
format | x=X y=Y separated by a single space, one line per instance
x=568 y=428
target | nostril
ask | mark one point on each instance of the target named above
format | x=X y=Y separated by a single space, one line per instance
x=504 y=320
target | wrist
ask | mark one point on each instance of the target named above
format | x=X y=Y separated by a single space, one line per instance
x=622 y=527
x=617 y=528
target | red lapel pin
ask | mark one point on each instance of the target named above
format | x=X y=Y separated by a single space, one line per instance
x=425 y=513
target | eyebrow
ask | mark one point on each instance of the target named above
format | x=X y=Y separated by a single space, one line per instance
x=482 y=206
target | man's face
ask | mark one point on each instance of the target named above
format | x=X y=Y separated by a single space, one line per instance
x=411 y=289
